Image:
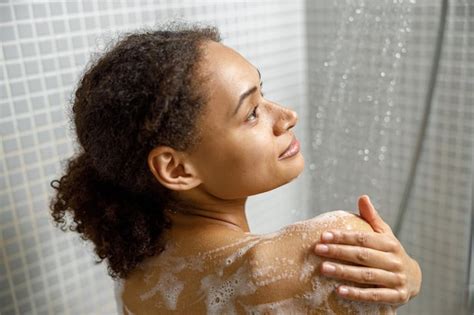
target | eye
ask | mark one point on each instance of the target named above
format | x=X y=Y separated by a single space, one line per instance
x=254 y=111
x=253 y=114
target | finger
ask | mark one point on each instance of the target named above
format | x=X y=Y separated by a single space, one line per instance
x=369 y=213
x=373 y=240
x=361 y=274
x=381 y=295
x=360 y=255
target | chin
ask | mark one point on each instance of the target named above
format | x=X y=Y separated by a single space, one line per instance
x=291 y=171
x=294 y=168
x=297 y=165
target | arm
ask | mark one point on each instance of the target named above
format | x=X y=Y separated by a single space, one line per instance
x=285 y=272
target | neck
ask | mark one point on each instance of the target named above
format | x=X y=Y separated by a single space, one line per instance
x=229 y=214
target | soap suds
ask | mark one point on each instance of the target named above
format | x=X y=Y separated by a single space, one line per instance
x=169 y=286
x=221 y=293
x=228 y=279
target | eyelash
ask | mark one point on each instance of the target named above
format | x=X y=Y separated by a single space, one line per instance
x=254 y=111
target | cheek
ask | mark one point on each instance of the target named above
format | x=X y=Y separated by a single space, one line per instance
x=255 y=162
x=240 y=167
x=256 y=152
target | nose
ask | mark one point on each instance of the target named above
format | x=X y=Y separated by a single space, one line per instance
x=285 y=120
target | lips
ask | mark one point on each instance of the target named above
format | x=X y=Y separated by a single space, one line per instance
x=289 y=146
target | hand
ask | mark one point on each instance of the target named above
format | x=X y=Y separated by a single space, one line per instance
x=395 y=275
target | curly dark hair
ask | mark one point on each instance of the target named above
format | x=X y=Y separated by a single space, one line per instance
x=143 y=91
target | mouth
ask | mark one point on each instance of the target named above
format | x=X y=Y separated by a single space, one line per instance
x=291 y=150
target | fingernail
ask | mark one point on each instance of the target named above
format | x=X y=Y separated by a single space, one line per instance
x=322 y=248
x=328 y=236
x=343 y=290
x=329 y=268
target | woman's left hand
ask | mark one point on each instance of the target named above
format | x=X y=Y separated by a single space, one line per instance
x=395 y=275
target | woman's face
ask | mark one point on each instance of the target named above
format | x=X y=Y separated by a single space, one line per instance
x=241 y=144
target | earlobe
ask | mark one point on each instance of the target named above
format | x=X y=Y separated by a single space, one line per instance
x=171 y=169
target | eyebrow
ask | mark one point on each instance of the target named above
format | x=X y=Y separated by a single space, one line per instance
x=247 y=93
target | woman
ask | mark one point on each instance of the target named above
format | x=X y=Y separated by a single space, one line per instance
x=175 y=134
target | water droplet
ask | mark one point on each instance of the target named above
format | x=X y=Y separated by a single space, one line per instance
x=358 y=11
x=326 y=64
x=397 y=55
x=366 y=151
x=383 y=148
x=377 y=19
x=344 y=76
x=366 y=158
x=382 y=74
x=400 y=44
x=351 y=19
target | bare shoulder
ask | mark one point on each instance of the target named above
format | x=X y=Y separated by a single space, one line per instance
x=286 y=274
x=216 y=273
x=296 y=240
x=338 y=219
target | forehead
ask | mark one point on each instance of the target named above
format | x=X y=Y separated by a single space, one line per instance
x=228 y=74
x=225 y=66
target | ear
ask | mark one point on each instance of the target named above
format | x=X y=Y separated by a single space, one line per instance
x=172 y=168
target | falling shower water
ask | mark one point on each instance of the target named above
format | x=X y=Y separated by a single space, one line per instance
x=388 y=122
x=344 y=84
